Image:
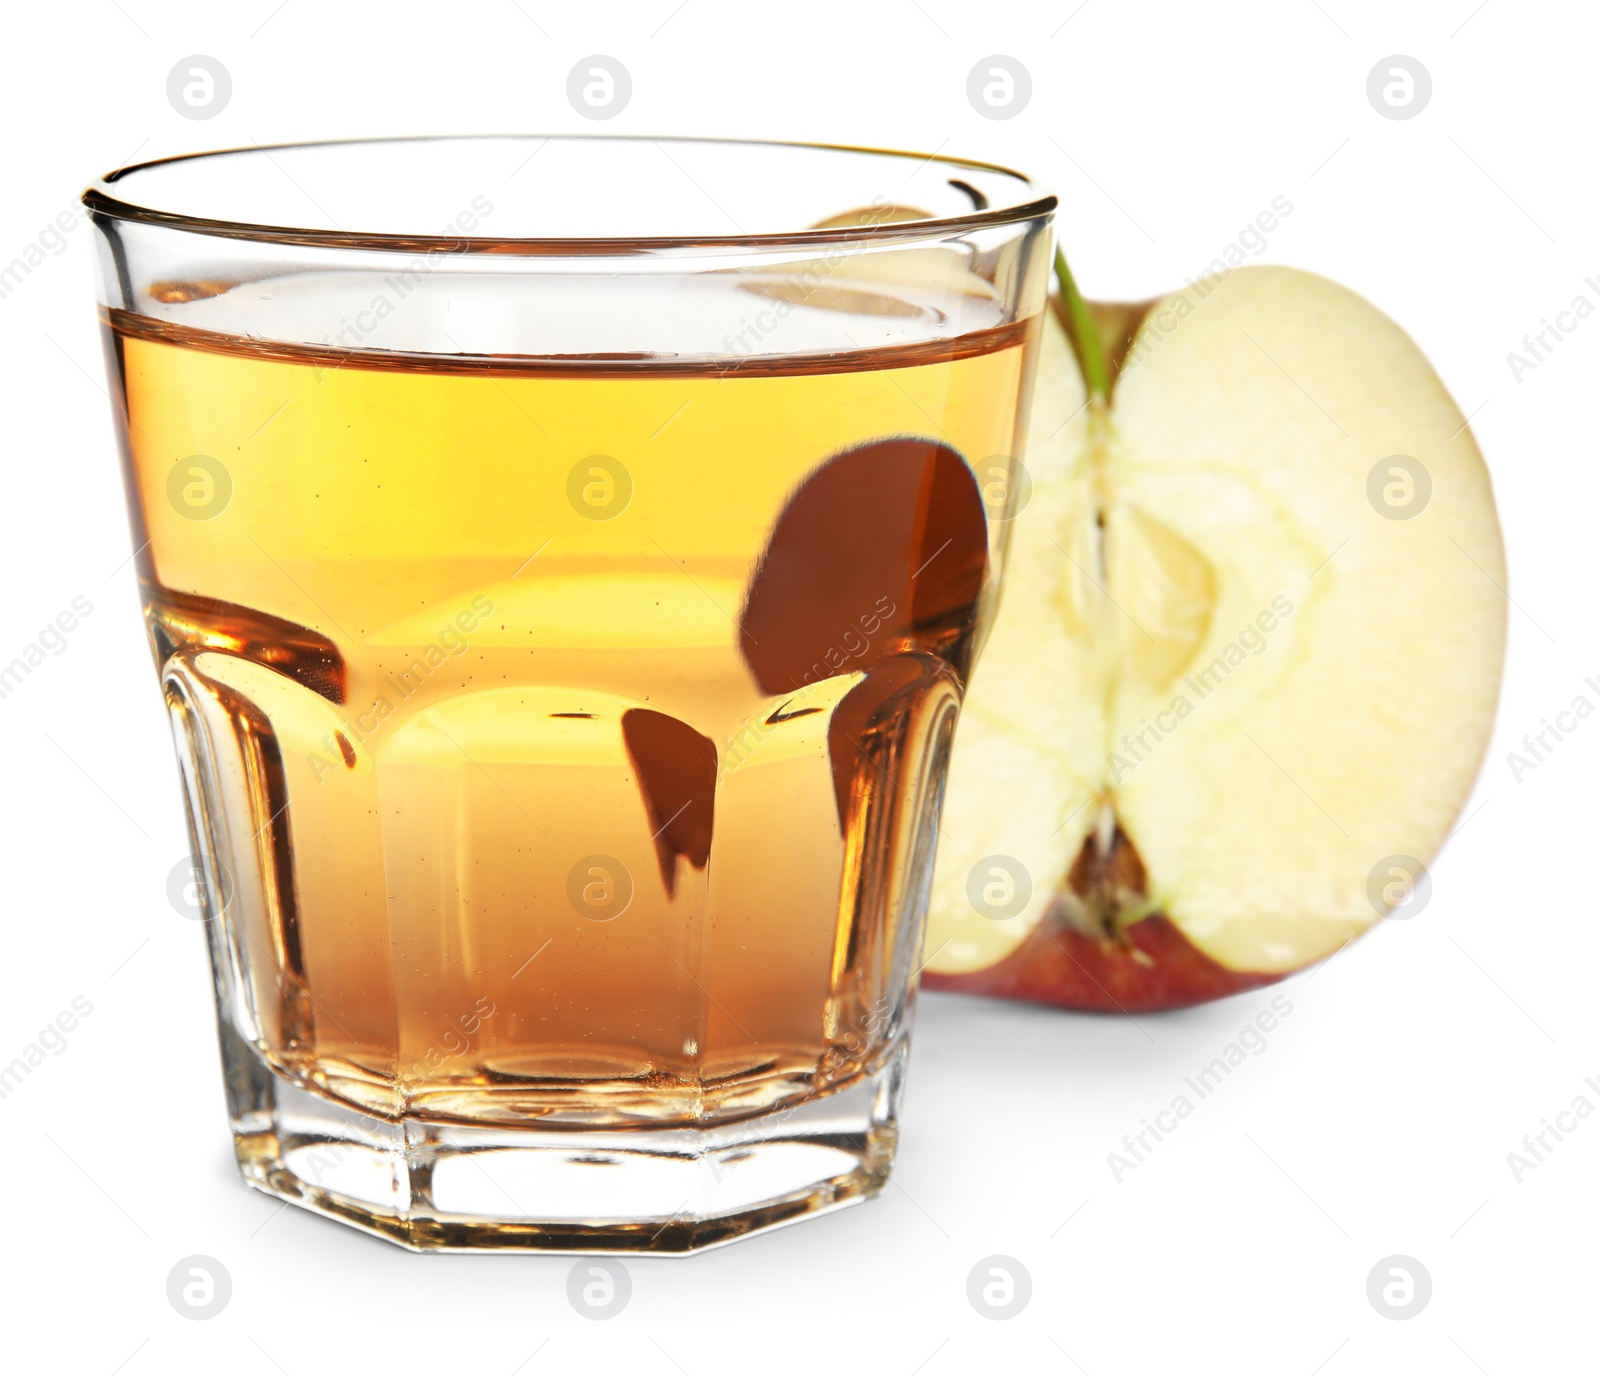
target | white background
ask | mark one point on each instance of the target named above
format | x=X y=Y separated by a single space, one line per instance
x=1379 y=1117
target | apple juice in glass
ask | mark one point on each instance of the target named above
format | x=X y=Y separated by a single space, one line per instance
x=563 y=592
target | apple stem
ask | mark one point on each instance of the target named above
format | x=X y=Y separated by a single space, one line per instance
x=1085 y=337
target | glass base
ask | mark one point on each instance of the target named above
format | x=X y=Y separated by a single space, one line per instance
x=433 y=1185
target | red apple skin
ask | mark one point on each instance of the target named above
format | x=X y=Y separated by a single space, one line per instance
x=1154 y=968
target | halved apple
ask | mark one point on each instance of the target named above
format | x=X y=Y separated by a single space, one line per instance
x=1246 y=660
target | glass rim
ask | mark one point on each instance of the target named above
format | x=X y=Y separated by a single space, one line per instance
x=100 y=198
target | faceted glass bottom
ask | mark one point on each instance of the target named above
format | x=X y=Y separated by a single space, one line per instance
x=433 y=1185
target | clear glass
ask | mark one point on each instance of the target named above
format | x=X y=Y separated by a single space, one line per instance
x=563 y=560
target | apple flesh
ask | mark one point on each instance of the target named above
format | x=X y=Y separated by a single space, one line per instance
x=1224 y=682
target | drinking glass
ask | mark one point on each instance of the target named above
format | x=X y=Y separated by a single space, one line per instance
x=563 y=560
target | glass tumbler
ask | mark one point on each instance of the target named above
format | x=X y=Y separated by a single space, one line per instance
x=563 y=560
